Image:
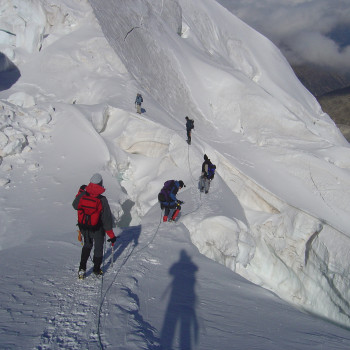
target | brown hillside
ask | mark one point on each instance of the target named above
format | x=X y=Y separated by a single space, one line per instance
x=320 y=81
x=337 y=105
x=332 y=91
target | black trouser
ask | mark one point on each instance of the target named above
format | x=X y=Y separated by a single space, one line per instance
x=92 y=239
x=189 y=136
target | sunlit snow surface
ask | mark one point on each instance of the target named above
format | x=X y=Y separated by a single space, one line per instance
x=276 y=214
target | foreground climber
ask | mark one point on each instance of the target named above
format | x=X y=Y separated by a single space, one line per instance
x=94 y=220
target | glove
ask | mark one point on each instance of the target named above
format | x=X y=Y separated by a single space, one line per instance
x=180 y=202
x=112 y=237
x=112 y=240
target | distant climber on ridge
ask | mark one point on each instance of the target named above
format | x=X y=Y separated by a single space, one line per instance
x=189 y=127
x=138 y=102
x=207 y=175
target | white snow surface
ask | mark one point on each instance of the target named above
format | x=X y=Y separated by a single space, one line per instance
x=260 y=262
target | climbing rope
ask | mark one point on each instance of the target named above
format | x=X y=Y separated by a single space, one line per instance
x=103 y=295
x=132 y=252
x=193 y=182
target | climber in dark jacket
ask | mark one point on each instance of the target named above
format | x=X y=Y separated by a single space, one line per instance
x=189 y=127
x=171 y=202
x=208 y=171
x=138 y=102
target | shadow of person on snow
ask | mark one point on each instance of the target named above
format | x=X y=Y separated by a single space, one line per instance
x=181 y=312
x=9 y=73
x=129 y=237
x=142 y=328
x=126 y=218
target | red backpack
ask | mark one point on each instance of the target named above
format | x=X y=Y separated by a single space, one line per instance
x=89 y=212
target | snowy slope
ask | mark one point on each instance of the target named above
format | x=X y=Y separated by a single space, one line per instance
x=276 y=213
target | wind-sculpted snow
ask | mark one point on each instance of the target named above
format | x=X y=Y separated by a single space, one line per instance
x=22 y=26
x=293 y=250
x=22 y=124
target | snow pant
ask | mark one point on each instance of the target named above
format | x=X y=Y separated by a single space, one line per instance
x=204 y=184
x=92 y=239
x=138 y=108
x=167 y=207
x=189 y=136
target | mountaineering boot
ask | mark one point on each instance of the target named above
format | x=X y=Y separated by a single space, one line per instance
x=98 y=273
x=81 y=274
x=176 y=213
x=97 y=266
x=165 y=218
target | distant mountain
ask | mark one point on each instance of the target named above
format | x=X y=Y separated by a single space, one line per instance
x=337 y=105
x=332 y=91
x=320 y=81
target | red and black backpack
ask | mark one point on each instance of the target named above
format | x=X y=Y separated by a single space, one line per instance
x=89 y=212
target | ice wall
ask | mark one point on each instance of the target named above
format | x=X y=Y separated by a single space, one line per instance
x=22 y=25
x=300 y=257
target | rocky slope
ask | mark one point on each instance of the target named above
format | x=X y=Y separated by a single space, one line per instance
x=337 y=105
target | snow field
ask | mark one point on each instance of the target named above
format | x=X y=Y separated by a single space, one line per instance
x=276 y=212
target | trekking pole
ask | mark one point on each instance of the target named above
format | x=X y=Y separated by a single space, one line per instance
x=112 y=259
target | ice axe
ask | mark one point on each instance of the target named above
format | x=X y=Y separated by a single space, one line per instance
x=80 y=239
